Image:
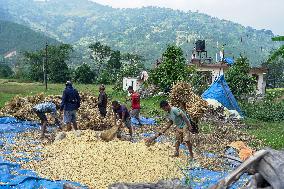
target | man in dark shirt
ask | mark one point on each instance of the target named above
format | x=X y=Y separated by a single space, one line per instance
x=70 y=104
x=102 y=101
x=121 y=112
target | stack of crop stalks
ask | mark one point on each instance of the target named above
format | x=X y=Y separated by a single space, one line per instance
x=88 y=116
x=183 y=96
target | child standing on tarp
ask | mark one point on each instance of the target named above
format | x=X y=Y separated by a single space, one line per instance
x=41 y=110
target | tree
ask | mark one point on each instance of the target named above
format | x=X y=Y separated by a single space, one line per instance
x=101 y=54
x=279 y=53
x=35 y=61
x=84 y=74
x=172 y=69
x=57 y=62
x=237 y=77
x=113 y=67
x=275 y=64
x=5 y=71
x=114 y=63
x=275 y=75
x=278 y=38
x=57 y=68
x=132 y=58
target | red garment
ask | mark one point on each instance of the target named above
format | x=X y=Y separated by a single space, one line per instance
x=135 y=100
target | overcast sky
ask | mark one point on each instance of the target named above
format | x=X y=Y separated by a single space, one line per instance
x=260 y=14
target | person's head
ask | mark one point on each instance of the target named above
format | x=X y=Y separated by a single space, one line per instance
x=130 y=89
x=102 y=87
x=68 y=84
x=165 y=105
x=115 y=105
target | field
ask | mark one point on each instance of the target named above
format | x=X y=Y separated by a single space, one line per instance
x=272 y=134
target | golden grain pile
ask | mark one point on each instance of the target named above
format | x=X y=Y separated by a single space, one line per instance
x=88 y=115
x=97 y=164
x=183 y=96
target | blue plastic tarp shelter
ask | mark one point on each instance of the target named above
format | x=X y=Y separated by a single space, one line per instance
x=221 y=92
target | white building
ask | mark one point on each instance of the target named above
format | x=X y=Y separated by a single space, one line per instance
x=130 y=81
x=213 y=71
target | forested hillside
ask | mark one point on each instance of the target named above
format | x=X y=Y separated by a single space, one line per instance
x=144 y=31
x=21 y=38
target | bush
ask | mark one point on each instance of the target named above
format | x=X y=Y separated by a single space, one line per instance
x=267 y=110
x=105 y=78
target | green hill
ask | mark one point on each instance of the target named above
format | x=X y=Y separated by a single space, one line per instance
x=145 y=31
x=21 y=38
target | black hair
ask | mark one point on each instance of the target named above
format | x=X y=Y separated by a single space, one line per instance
x=130 y=88
x=163 y=103
x=115 y=103
x=68 y=83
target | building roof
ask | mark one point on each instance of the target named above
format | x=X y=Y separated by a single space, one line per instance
x=259 y=69
x=198 y=63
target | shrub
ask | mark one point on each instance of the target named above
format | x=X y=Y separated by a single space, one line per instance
x=5 y=71
x=269 y=109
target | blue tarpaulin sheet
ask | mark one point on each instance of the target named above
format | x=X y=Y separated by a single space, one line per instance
x=229 y=61
x=144 y=121
x=11 y=174
x=221 y=92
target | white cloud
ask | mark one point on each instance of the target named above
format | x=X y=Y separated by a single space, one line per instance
x=260 y=14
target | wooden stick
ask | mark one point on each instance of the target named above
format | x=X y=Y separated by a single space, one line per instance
x=231 y=157
x=234 y=175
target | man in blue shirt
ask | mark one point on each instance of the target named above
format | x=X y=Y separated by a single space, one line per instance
x=70 y=104
x=41 y=110
x=183 y=127
x=121 y=112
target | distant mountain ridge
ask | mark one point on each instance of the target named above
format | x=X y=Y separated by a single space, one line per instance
x=146 y=31
x=15 y=37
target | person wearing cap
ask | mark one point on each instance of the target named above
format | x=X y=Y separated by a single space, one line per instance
x=183 y=127
x=43 y=108
x=102 y=101
x=120 y=112
x=70 y=104
x=135 y=104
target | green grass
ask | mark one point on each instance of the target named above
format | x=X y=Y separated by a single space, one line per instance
x=11 y=88
x=272 y=133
